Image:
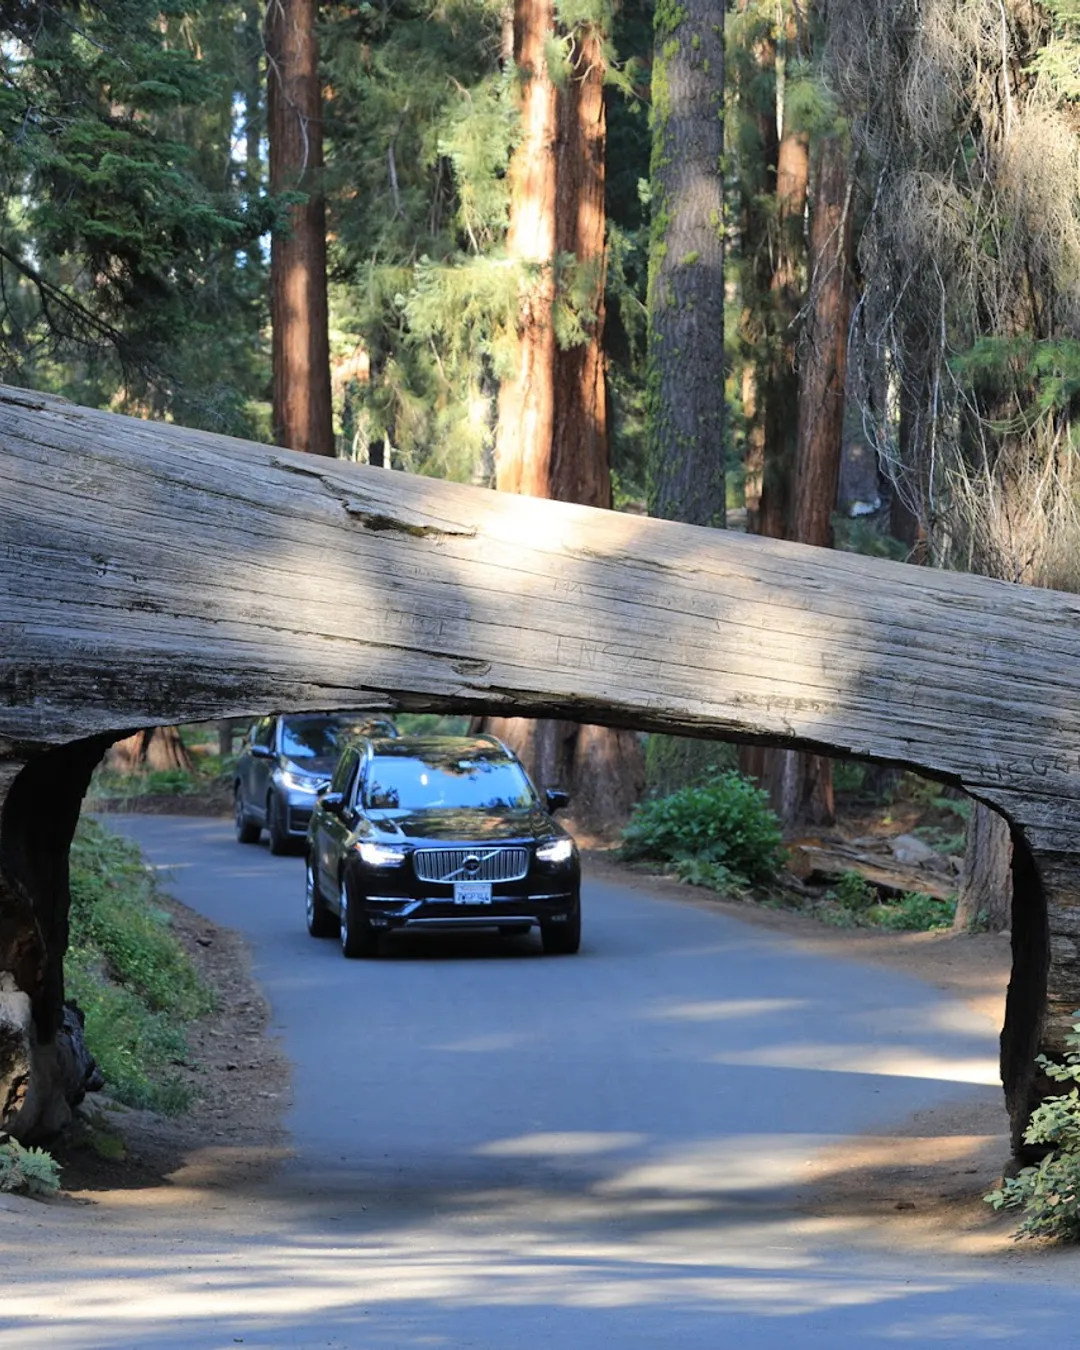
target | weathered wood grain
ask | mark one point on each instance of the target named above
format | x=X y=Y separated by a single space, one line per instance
x=150 y=574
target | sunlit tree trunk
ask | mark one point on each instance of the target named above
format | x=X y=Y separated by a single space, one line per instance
x=551 y=439
x=527 y=399
x=298 y=302
x=156 y=749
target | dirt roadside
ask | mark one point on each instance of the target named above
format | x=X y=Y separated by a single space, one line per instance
x=919 y=1186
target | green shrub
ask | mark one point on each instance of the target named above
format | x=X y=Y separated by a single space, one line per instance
x=722 y=830
x=128 y=973
x=30 y=1171
x=916 y=912
x=1049 y=1194
x=853 y=893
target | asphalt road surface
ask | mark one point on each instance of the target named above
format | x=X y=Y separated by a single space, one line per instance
x=503 y=1151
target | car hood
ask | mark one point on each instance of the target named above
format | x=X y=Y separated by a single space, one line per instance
x=443 y=826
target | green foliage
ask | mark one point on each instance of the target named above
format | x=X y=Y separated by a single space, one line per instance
x=128 y=973
x=854 y=893
x=673 y=762
x=856 y=534
x=915 y=912
x=722 y=829
x=1049 y=1195
x=855 y=903
x=29 y=1171
x=128 y=257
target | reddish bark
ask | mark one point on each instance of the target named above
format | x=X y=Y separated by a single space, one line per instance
x=298 y=302
x=157 y=749
x=580 y=466
x=527 y=400
x=551 y=439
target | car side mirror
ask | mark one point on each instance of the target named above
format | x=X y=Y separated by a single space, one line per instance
x=261 y=752
x=557 y=799
x=332 y=802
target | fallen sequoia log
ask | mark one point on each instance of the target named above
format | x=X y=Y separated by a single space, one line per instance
x=151 y=575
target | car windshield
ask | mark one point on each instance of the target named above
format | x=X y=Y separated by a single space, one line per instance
x=309 y=737
x=473 y=781
x=322 y=737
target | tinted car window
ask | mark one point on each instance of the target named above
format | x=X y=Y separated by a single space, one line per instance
x=323 y=736
x=263 y=732
x=309 y=737
x=343 y=773
x=473 y=781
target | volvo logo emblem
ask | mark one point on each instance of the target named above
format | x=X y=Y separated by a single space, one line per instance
x=471 y=865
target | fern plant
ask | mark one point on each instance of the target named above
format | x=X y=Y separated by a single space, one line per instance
x=1049 y=1194
x=28 y=1171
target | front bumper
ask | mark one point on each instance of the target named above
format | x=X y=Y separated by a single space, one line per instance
x=533 y=901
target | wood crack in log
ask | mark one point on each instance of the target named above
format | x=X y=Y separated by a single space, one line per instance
x=377 y=520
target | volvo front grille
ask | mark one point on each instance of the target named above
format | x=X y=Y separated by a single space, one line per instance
x=471 y=864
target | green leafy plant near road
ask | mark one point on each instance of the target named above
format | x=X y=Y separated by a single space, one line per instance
x=27 y=1171
x=128 y=973
x=1049 y=1195
x=855 y=903
x=721 y=833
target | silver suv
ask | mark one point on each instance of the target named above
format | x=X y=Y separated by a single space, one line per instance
x=285 y=760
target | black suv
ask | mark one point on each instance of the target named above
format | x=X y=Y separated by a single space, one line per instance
x=433 y=832
x=285 y=760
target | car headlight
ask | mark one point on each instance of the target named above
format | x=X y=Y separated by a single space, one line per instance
x=381 y=855
x=556 y=851
x=299 y=782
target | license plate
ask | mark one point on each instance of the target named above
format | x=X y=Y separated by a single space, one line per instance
x=472 y=892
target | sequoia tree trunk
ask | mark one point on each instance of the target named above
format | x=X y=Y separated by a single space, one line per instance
x=298 y=301
x=985 y=898
x=800 y=785
x=551 y=439
x=686 y=267
x=526 y=420
x=157 y=749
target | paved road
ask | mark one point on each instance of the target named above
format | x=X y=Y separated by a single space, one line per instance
x=503 y=1151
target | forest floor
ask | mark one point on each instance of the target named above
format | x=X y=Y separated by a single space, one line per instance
x=920 y=1183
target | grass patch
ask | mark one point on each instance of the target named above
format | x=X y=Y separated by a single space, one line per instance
x=128 y=973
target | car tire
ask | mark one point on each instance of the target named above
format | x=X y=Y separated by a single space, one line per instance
x=247 y=832
x=358 y=938
x=563 y=939
x=320 y=922
x=280 y=841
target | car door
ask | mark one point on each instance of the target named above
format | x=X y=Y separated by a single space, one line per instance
x=261 y=764
x=331 y=828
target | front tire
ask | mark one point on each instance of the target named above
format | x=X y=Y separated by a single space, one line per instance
x=563 y=939
x=320 y=922
x=358 y=938
x=246 y=831
x=280 y=842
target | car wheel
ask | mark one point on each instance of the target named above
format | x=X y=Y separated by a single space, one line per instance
x=358 y=938
x=563 y=939
x=246 y=831
x=320 y=922
x=275 y=826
